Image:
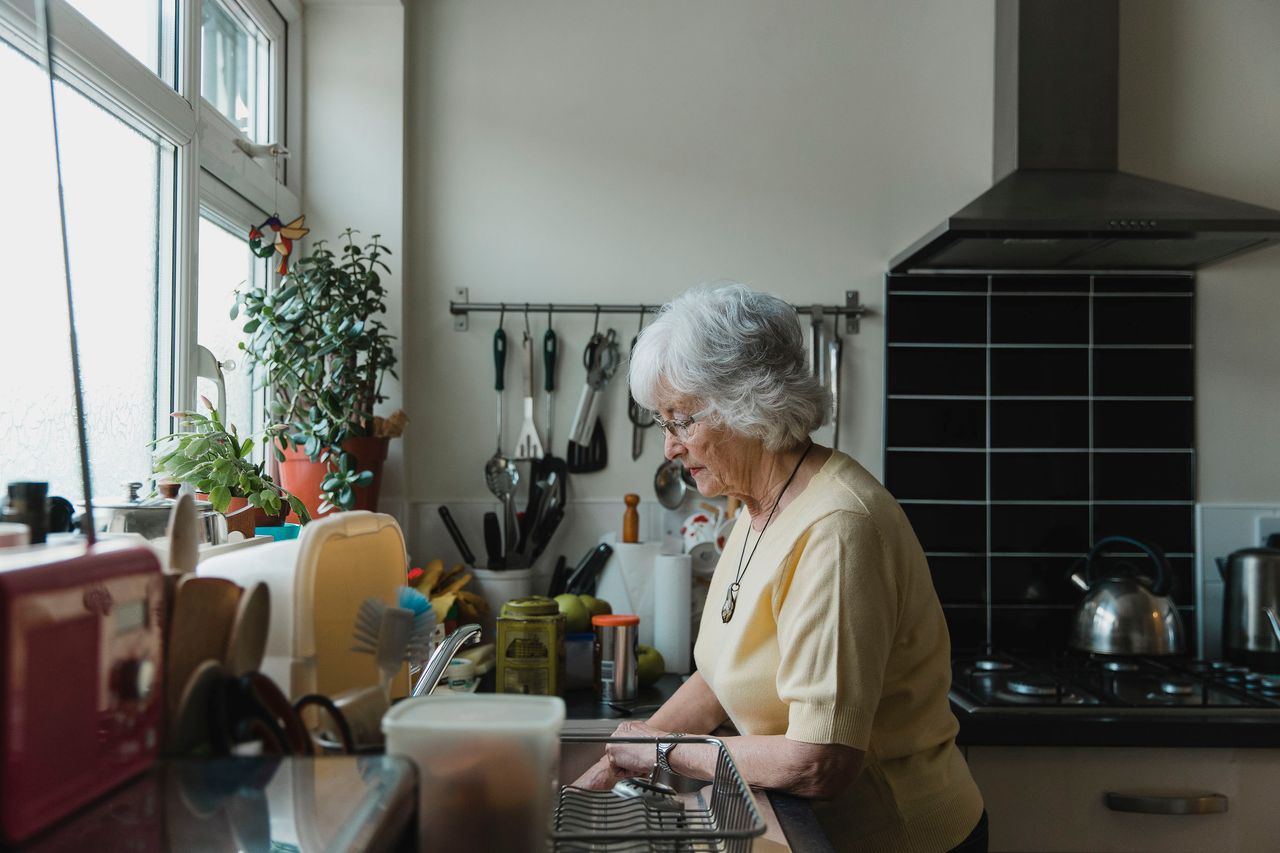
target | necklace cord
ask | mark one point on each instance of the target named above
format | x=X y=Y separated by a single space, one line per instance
x=742 y=569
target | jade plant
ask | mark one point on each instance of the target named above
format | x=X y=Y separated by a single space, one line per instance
x=213 y=459
x=318 y=340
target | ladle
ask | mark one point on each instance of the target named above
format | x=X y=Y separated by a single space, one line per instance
x=671 y=483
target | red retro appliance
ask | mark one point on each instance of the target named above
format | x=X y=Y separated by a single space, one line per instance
x=80 y=665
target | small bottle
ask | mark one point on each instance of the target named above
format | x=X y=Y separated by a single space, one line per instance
x=631 y=519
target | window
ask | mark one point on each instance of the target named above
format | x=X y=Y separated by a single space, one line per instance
x=235 y=68
x=227 y=265
x=157 y=241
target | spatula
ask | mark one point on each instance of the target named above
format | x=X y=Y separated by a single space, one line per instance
x=203 y=612
x=528 y=445
x=248 y=638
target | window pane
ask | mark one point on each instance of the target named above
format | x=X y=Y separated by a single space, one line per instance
x=118 y=184
x=235 y=70
x=142 y=27
x=226 y=264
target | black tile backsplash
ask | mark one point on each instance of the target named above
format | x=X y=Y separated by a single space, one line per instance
x=1024 y=372
x=1039 y=319
x=938 y=320
x=1027 y=417
x=1040 y=475
x=936 y=423
x=920 y=370
x=1040 y=423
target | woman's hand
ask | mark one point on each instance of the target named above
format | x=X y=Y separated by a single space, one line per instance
x=623 y=760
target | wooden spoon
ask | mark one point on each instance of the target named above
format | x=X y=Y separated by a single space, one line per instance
x=203 y=611
x=247 y=641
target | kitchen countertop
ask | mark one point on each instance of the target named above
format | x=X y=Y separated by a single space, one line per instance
x=1080 y=727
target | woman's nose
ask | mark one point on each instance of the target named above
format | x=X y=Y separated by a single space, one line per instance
x=671 y=446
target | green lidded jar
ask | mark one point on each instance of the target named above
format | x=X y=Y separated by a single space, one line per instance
x=531 y=647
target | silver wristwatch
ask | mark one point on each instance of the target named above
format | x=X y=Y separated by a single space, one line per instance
x=664 y=749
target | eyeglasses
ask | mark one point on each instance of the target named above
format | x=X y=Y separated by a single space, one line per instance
x=679 y=429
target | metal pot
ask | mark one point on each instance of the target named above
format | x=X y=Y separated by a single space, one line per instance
x=1126 y=615
x=149 y=517
x=1251 y=579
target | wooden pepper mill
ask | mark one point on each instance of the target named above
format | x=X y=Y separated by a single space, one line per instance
x=631 y=519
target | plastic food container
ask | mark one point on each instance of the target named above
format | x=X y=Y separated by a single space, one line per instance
x=487 y=767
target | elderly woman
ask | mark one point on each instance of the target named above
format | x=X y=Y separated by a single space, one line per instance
x=822 y=642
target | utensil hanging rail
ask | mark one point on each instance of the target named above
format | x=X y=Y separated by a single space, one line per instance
x=461 y=307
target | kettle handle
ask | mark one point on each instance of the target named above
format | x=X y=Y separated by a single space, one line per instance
x=1160 y=584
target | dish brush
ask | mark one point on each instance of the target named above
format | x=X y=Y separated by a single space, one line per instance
x=420 y=643
x=385 y=633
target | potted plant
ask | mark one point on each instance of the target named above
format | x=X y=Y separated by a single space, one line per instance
x=318 y=340
x=212 y=459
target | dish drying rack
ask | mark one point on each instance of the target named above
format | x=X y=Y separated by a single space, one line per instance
x=725 y=818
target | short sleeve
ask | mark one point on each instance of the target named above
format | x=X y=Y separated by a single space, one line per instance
x=837 y=612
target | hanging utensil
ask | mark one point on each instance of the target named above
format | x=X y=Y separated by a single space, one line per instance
x=500 y=473
x=835 y=348
x=817 y=331
x=640 y=417
x=528 y=445
x=671 y=483
x=588 y=449
x=549 y=352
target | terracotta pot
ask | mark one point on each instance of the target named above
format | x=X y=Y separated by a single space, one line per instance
x=302 y=477
x=260 y=517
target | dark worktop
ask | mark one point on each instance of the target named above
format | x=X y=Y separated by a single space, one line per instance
x=992 y=727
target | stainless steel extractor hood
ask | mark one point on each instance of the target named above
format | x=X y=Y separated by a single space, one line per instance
x=1059 y=202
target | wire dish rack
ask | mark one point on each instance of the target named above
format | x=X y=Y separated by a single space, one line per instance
x=723 y=818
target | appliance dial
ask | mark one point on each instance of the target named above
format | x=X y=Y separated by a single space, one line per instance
x=135 y=679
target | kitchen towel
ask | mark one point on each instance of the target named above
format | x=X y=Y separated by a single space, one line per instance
x=672 y=585
x=626 y=582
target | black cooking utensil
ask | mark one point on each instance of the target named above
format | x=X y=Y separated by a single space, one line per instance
x=493 y=541
x=558 y=577
x=456 y=535
x=583 y=579
x=587 y=459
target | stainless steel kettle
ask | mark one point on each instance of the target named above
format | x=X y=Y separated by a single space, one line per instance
x=1251 y=579
x=1126 y=615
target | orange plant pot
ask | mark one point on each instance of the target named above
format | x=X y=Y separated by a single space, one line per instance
x=302 y=477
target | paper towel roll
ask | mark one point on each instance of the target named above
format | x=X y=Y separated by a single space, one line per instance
x=672 y=585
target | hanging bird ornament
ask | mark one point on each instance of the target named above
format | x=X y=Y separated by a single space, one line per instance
x=273 y=236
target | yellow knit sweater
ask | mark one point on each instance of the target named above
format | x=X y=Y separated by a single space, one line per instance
x=838 y=637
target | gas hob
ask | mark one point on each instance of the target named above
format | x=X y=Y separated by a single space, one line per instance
x=1096 y=685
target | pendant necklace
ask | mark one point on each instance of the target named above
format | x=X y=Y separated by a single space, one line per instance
x=731 y=596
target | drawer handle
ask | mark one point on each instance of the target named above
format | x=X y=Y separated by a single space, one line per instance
x=1166 y=802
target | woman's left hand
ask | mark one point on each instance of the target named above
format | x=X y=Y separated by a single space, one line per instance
x=633 y=759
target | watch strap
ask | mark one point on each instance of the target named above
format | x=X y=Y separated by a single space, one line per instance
x=664 y=749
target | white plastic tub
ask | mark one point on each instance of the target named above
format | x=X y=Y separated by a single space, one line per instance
x=487 y=767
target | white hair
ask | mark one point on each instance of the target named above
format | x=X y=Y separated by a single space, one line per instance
x=742 y=354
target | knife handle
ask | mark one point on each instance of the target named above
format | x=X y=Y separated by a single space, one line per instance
x=456 y=535
x=493 y=540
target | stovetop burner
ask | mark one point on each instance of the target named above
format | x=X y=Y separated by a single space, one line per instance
x=1125 y=685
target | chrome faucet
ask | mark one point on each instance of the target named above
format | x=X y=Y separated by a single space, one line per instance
x=463 y=635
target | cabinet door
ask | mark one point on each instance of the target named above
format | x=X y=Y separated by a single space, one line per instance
x=1053 y=799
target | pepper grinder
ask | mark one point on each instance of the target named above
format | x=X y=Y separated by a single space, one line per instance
x=631 y=519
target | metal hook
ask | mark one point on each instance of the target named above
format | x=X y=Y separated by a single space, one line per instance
x=502 y=313
x=549 y=306
x=595 y=330
x=526 y=321
x=640 y=328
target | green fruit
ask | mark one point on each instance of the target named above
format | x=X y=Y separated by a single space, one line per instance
x=649 y=664
x=576 y=616
x=596 y=606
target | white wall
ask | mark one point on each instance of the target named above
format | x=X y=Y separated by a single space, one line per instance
x=611 y=151
x=1200 y=106
x=353 y=156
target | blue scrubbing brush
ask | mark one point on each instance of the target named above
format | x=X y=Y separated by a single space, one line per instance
x=424 y=624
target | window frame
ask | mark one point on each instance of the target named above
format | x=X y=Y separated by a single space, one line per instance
x=211 y=167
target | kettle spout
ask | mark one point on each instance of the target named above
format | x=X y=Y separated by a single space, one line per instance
x=1222 y=567
x=1079 y=581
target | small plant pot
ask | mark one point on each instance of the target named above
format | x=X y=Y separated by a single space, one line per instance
x=260 y=517
x=302 y=477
